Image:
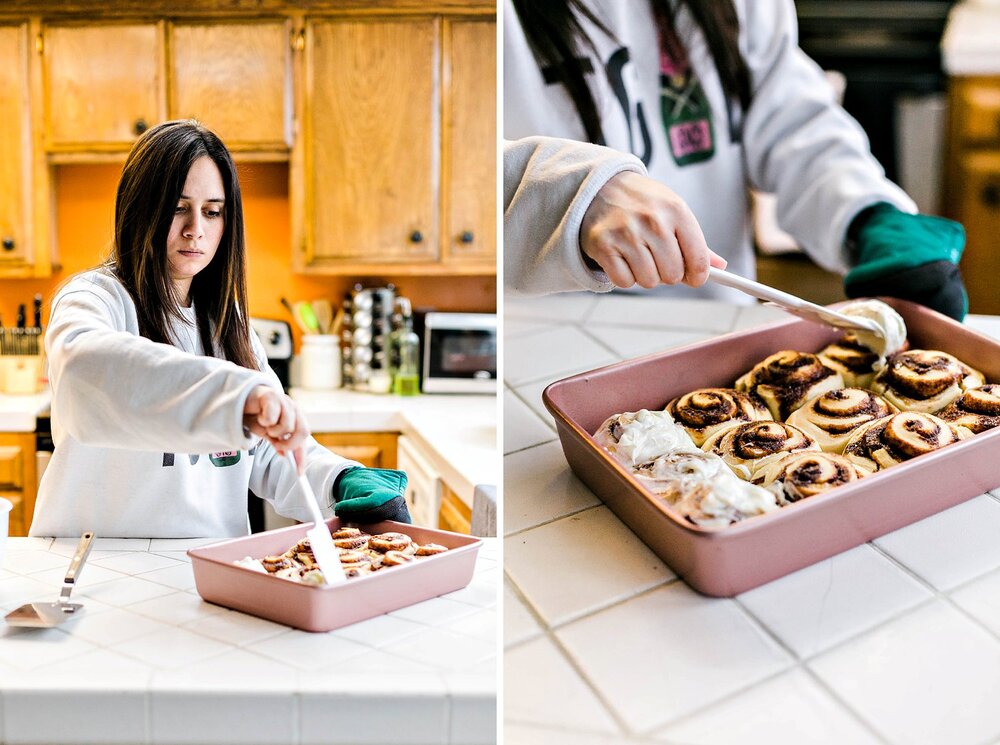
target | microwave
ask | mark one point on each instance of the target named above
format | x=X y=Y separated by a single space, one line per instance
x=460 y=353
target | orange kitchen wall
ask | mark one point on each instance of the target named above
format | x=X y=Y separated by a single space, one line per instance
x=84 y=200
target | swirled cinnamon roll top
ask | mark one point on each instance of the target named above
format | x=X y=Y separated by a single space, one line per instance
x=749 y=446
x=977 y=409
x=708 y=410
x=831 y=418
x=925 y=380
x=788 y=379
x=852 y=359
x=900 y=437
x=800 y=475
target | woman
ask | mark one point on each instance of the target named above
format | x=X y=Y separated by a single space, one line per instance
x=164 y=412
x=708 y=98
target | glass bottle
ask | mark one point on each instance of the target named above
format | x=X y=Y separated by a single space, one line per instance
x=406 y=348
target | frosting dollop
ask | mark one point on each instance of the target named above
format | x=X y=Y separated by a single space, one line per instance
x=641 y=436
x=892 y=324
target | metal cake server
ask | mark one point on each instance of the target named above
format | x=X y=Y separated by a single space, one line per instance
x=323 y=548
x=44 y=615
x=792 y=304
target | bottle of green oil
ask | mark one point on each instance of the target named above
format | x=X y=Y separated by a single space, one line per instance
x=406 y=351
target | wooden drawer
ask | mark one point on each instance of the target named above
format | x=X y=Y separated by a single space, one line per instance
x=371 y=449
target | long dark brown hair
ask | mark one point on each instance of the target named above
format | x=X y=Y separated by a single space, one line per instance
x=151 y=185
x=557 y=38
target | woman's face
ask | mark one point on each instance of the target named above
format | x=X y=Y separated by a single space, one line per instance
x=199 y=220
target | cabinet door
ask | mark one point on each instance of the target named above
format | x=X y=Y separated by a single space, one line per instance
x=470 y=143
x=17 y=478
x=372 y=139
x=979 y=210
x=234 y=79
x=371 y=449
x=103 y=84
x=15 y=146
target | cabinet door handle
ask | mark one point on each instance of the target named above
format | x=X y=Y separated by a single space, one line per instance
x=416 y=237
x=140 y=126
x=466 y=236
x=990 y=195
x=8 y=243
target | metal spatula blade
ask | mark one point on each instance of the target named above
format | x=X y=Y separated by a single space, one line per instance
x=44 y=615
x=792 y=304
x=320 y=540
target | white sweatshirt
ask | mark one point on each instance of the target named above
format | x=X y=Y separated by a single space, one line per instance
x=796 y=142
x=149 y=437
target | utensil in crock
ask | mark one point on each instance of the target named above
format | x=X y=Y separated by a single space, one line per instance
x=792 y=304
x=44 y=615
x=320 y=540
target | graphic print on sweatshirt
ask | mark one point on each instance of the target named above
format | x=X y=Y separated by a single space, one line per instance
x=219 y=460
x=687 y=117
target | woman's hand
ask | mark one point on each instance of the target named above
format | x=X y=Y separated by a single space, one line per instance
x=270 y=414
x=640 y=232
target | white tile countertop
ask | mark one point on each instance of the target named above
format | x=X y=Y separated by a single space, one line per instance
x=18 y=412
x=151 y=662
x=894 y=641
x=458 y=432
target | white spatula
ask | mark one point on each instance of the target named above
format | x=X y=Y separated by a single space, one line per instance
x=792 y=304
x=320 y=540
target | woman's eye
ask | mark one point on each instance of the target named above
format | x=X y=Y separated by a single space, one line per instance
x=179 y=209
x=213 y=213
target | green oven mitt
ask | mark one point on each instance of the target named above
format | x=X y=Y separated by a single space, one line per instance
x=913 y=257
x=370 y=495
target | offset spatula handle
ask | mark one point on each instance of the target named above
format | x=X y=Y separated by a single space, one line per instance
x=79 y=558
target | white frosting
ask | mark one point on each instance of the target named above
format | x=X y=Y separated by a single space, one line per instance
x=645 y=436
x=248 y=562
x=892 y=325
x=728 y=500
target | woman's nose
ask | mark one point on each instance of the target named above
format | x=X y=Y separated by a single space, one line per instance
x=194 y=227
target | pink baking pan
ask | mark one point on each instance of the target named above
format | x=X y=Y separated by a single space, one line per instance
x=327 y=607
x=726 y=561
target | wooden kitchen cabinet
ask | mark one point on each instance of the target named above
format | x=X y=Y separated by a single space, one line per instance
x=972 y=188
x=397 y=169
x=371 y=143
x=470 y=137
x=371 y=449
x=233 y=78
x=17 y=478
x=103 y=84
x=23 y=246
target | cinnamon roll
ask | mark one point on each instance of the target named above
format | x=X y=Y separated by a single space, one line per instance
x=788 y=379
x=708 y=410
x=853 y=360
x=799 y=475
x=830 y=419
x=641 y=436
x=430 y=549
x=395 y=558
x=894 y=439
x=385 y=542
x=703 y=489
x=925 y=380
x=978 y=409
x=350 y=538
x=748 y=447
